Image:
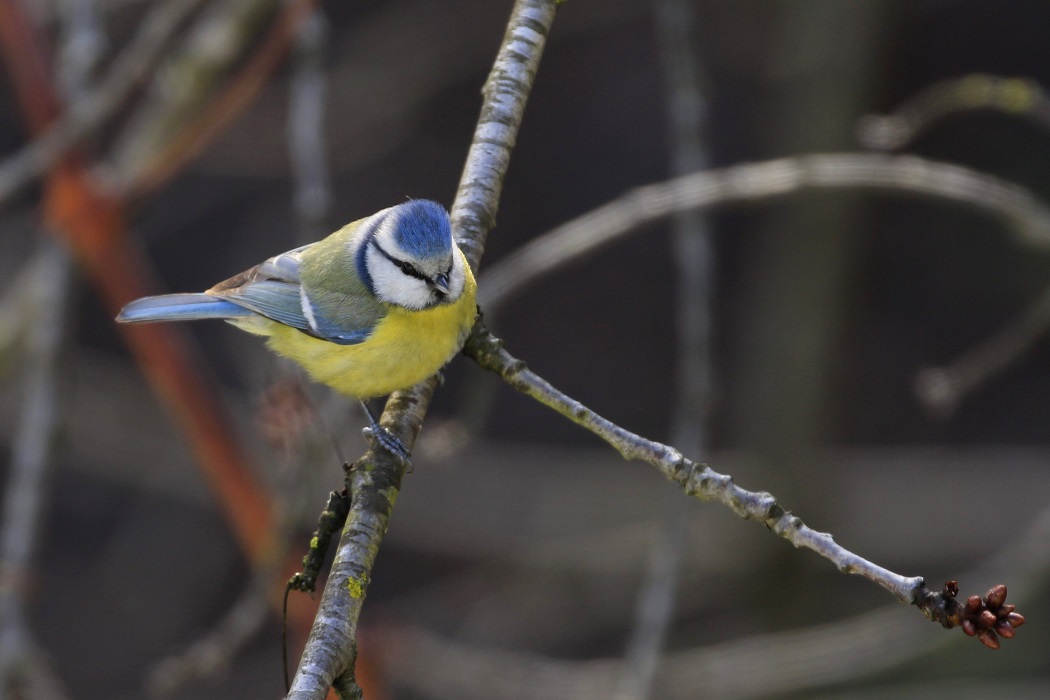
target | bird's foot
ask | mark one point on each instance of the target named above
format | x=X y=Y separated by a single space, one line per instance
x=388 y=441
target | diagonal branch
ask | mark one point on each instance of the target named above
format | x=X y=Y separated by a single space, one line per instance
x=328 y=660
x=697 y=480
x=984 y=617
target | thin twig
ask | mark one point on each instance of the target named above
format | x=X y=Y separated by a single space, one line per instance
x=1026 y=214
x=328 y=660
x=697 y=480
x=705 y=484
x=86 y=115
x=1017 y=96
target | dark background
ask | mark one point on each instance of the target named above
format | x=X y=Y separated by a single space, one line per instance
x=827 y=303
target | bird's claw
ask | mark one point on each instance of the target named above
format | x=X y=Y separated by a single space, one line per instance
x=388 y=441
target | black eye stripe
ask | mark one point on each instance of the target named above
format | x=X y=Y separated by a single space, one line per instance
x=405 y=266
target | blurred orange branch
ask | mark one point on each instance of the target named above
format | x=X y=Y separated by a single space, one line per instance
x=28 y=67
x=93 y=224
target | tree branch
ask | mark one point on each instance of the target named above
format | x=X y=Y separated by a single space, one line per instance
x=697 y=480
x=505 y=92
x=331 y=650
x=986 y=617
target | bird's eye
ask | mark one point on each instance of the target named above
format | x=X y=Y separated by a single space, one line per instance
x=408 y=268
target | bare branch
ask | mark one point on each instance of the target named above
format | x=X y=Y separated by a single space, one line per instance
x=754 y=666
x=505 y=92
x=1023 y=211
x=328 y=659
x=696 y=480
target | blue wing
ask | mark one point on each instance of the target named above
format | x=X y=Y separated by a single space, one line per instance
x=274 y=300
x=272 y=289
x=180 y=307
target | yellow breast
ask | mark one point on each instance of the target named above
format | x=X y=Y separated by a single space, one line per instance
x=406 y=347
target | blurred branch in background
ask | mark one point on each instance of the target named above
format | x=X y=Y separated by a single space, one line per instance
x=92 y=109
x=1025 y=214
x=187 y=80
x=306 y=143
x=693 y=254
x=1016 y=96
x=25 y=670
x=212 y=654
x=92 y=221
x=16 y=308
x=150 y=153
x=22 y=665
x=940 y=389
x=757 y=665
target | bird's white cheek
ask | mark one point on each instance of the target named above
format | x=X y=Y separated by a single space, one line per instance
x=394 y=286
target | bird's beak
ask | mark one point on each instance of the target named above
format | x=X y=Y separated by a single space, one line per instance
x=440 y=283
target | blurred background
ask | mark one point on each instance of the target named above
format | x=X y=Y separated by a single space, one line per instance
x=525 y=558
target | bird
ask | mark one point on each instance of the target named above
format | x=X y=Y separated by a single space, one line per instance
x=380 y=305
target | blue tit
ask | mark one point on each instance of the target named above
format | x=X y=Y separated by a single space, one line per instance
x=379 y=305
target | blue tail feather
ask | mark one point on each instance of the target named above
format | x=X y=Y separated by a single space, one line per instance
x=180 y=307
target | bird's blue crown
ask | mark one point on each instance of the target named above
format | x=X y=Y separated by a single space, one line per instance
x=423 y=229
